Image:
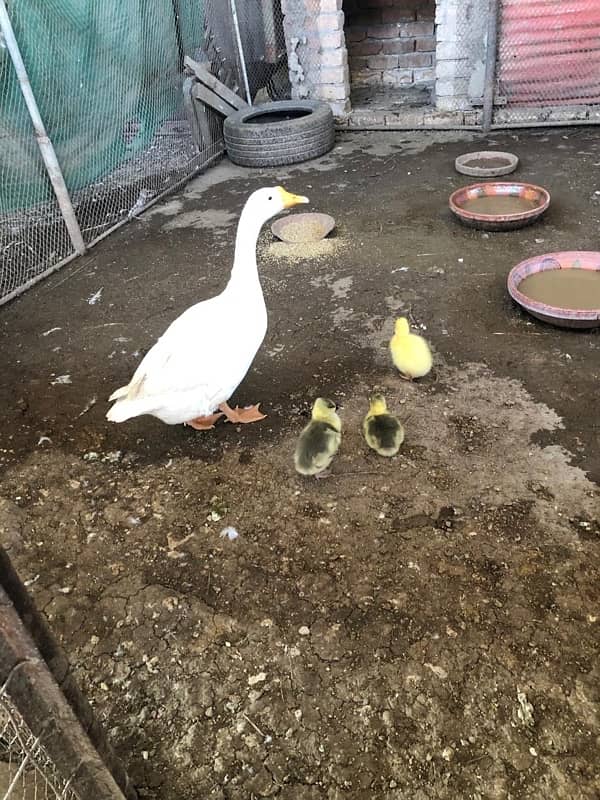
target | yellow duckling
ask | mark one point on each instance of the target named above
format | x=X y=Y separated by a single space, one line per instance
x=383 y=431
x=410 y=352
x=320 y=440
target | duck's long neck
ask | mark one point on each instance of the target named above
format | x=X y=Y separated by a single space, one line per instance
x=244 y=274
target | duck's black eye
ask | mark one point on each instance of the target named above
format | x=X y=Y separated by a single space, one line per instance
x=270 y=197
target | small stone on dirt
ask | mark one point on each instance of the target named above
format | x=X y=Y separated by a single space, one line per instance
x=259 y=678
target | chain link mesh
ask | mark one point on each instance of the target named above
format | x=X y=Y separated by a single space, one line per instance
x=412 y=61
x=391 y=49
x=33 y=234
x=548 y=61
x=304 y=47
x=263 y=47
x=461 y=33
x=108 y=82
x=26 y=771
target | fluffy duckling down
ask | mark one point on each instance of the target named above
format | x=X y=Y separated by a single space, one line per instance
x=383 y=431
x=320 y=439
x=410 y=352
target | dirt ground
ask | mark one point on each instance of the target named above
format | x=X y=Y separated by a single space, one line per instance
x=423 y=627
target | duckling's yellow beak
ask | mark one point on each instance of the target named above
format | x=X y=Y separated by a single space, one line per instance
x=377 y=404
x=290 y=200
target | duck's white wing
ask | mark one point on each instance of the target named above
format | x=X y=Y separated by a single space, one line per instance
x=198 y=358
x=188 y=354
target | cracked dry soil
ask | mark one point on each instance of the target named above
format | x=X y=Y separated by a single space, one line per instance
x=423 y=627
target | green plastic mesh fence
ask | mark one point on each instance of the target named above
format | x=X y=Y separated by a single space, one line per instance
x=107 y=77
x=76 y=54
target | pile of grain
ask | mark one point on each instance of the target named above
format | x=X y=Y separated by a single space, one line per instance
x=303 y=231
x=304 y=251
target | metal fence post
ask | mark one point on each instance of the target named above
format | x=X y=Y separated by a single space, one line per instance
x=238 y=39
x=42 y=138
x=490 y=66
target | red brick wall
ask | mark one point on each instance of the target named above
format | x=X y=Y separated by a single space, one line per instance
x=390 y=42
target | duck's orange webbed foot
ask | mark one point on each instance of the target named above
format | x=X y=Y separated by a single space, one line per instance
x=239 y=415
x=204 y=423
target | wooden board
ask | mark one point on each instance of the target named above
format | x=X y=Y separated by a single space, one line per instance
x=197 y=115
x=214 y=84
x=206 y=95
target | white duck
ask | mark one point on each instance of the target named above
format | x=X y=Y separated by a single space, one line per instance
x=203 y=356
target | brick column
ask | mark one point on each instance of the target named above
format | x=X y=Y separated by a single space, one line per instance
x=317 y=55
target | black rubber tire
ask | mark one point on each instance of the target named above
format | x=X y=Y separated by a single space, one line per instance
x=280 y=142
x=242 y=141
x=282 y=146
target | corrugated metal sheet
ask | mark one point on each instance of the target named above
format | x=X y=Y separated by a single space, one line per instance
x=549 y=52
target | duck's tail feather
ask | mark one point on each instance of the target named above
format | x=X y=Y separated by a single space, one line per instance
x=125 y=408
x=121 y=411
x=119 y=393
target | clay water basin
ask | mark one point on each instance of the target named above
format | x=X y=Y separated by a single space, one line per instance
x=499 y=206
x=486 y=163
x=560 y=288
x=298 y=228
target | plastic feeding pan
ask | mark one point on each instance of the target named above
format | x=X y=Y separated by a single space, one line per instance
x=499 y=206
x=297 y=228
x=560 y=288
x=486 y=164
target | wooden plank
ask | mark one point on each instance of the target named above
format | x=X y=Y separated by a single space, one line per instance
x=203 y=115
x=205 y=77
x=205 y=95
x=198 y=116
x=190 y=110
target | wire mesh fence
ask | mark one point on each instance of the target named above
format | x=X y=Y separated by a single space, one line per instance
x=26 y=770
x=304 y=46
x=107 y=79
x=461 y=37
x=412 y=62
x=33 y=233
x=548 y=62
x=391 y=48
x=262 y=49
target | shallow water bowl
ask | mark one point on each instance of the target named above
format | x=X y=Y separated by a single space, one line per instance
x=498 y=206
x=486 y=164
x=299 y=228
x=574 y=281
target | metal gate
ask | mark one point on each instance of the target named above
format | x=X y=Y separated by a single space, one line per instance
x=548 y=62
